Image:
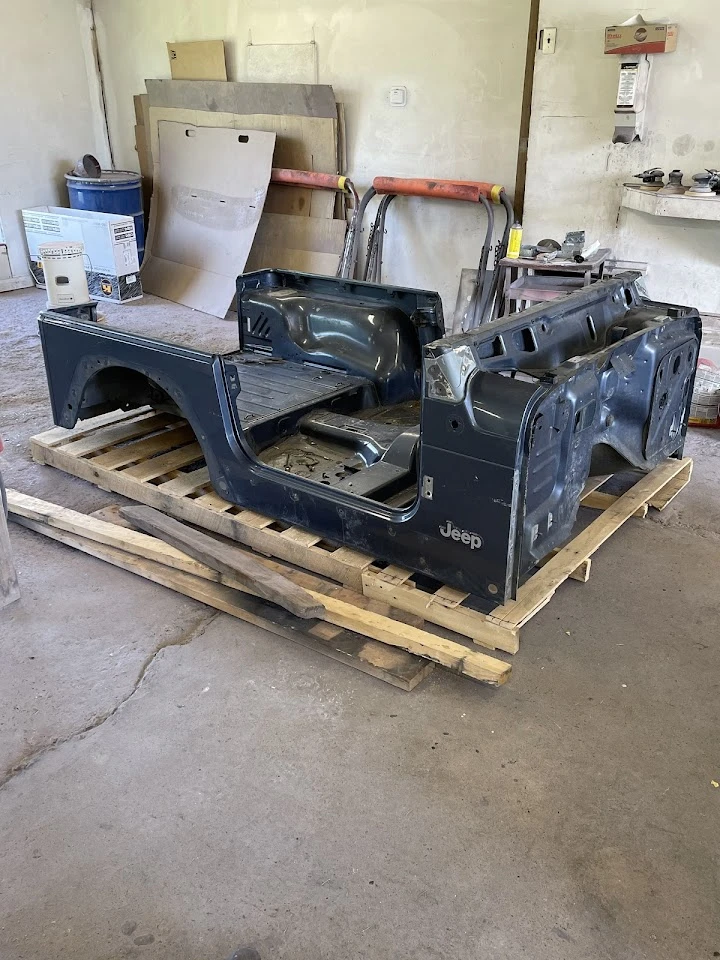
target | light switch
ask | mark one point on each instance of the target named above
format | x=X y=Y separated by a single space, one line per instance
x=398 y=96
x=546 y=40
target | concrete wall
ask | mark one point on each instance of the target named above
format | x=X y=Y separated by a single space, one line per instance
x=575 y=173
x=461 y=60
x=45 y=113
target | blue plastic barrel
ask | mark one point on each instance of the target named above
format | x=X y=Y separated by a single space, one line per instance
x=114 y=191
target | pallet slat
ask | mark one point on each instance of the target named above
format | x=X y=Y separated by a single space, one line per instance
x=149 y=447
x=117 y=433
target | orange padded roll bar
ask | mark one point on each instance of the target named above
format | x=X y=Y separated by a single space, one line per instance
x=470 y=190
x=308 y=178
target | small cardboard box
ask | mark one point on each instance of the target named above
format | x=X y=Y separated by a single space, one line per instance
x=641 y=38
x=111 y=256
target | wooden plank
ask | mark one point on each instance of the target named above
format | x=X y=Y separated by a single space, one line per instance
x=117 y=433
x=601 y=501
x=58 y=435
x=468 y=623
x=212 y=501
x=187 y=483
x=140 y=449
x=303 y=537
x=673 y=487
x=394 y=666
x=9 y=588
x=224 y=558
x=165 y=463
x=99 y=528
x=538 y=591
x=594 y=483
x=582 y=574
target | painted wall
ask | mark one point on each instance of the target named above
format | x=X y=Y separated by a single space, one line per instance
x=45 y=113
x=575 y=174
x=462 y=62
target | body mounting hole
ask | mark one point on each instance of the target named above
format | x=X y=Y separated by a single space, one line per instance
x=676 y=364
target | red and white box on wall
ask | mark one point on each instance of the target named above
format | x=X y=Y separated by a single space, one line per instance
x=641 y=38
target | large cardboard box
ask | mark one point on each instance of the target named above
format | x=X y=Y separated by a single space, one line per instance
x=111 y=256
x=641 y=38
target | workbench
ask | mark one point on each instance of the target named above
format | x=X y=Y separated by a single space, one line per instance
x=557 y=278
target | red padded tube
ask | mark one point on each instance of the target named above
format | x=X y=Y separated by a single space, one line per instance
x=470 y=190
x=307 y=178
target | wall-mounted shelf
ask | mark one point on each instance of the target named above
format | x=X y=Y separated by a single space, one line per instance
x=687 y=208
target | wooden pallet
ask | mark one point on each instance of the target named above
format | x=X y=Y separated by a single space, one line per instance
x=106 y=536
x=154 y=458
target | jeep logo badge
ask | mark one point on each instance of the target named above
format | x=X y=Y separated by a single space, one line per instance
x=472 y=540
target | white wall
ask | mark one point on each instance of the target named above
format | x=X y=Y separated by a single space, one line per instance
x=461 y=60
x=45 y=114
x=575 y=173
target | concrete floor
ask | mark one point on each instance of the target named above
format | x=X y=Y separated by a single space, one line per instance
x=176 y=784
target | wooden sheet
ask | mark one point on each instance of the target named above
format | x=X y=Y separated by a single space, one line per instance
x=209 y=190
x=302 y=143
x=296 y=99
x=197 y=60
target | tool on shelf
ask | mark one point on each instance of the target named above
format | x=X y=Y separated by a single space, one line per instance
x=674 y=187
x=704 y=185
x=652 y=179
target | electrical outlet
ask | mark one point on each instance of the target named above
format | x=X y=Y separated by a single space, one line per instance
x=546 y=40
x=398 y=96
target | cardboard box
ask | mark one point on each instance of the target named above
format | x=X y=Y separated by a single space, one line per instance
x=111 y=256
x=197 y=60
x=641 y=38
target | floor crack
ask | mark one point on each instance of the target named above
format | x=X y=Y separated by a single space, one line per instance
x=193 y=633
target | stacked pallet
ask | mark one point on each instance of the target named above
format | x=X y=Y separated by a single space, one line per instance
x=366 y=607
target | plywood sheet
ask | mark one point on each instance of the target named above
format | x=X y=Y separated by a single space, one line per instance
x=301 y=233
x=197 y=60
x=263 y=257
x=307 y=244
x=210 y=188
x=302 y=143
x=295 y=99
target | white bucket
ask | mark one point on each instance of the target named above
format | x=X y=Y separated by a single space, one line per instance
x=64 y=269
